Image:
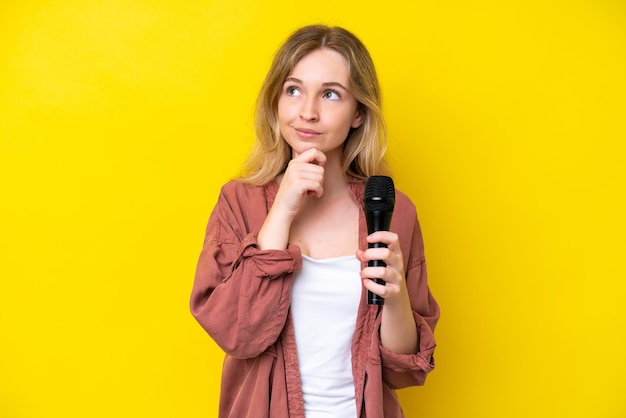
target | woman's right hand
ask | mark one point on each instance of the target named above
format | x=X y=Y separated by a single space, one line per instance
x=303 y=177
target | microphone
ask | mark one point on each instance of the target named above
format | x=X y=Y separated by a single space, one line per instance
x=378 y=203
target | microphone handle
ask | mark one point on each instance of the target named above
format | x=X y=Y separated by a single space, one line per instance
x=373 y=298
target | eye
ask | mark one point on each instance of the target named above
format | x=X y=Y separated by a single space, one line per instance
x=292 y=91
x=332 y=95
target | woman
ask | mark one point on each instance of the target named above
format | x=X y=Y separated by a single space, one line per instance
x=282 y=279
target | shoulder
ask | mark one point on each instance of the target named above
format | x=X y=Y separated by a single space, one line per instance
x=404 y=204
x=236 y=186
x=406 y=224
x=404 y=213
x=237 y=190
x=243 y=204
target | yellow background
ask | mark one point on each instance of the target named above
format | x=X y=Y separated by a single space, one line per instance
x=119 y=120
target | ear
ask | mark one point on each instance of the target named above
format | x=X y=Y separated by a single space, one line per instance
x=358 y=119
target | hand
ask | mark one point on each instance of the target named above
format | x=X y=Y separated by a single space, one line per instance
x=394 y=290
x=303 y=177
x=398 y=332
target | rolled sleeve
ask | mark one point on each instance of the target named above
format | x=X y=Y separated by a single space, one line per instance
x=403 y=370
x=269 y=263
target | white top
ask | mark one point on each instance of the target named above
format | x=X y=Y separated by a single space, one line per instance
x=324 y=303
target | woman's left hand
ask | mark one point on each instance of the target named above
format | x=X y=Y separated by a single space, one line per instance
x=394 y=290
x=398 y=331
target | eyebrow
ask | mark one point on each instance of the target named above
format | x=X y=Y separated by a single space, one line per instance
x=327 y=84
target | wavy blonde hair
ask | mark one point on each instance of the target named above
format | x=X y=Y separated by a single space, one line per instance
x=365 y=146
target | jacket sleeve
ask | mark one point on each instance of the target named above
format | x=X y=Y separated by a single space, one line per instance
x=403 y=370
x=241 y=294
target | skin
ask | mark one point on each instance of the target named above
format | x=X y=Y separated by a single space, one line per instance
x=313 y=207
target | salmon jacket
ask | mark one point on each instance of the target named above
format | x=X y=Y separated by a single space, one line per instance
x=241 y=297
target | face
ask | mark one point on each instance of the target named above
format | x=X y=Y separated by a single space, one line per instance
x=316 y=108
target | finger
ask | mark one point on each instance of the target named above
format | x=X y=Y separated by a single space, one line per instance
x=378 y=289
x=305 y=170
x=311 y=178
x=393 y=262
x=386 y=237
x=374 y=273
x=360 y=255
x=376 y=254
x=314 y=188
x=307 y=177
x=312 y=156
x=299 y=172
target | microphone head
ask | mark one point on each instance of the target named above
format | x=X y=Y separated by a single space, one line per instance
x=380 y=194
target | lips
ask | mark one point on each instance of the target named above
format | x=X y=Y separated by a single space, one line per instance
x=306 y=132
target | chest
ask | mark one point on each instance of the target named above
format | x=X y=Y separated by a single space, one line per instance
x=328 y=232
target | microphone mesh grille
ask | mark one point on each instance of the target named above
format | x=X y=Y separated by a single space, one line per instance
x=380 y=194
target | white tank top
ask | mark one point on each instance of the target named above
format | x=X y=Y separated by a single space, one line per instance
x=324 y=303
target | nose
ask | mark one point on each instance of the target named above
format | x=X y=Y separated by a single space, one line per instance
x=309 y=109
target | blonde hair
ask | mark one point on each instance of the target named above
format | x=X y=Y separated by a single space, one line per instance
x=364 y=147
